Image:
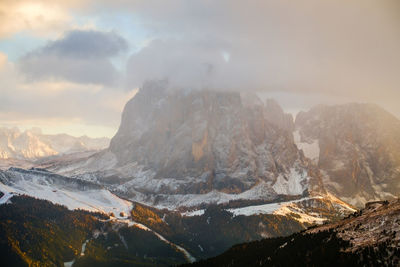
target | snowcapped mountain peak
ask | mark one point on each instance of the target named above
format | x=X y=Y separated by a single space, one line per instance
x=33 y=144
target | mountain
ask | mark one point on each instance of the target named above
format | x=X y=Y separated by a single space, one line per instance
x=357 y=149
x=203 y=141
x=370 y=237
x=185 y=148
x=32 y=144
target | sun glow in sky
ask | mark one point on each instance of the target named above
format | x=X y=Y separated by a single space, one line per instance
x=70 y=66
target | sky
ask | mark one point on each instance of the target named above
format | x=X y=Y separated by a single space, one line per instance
x=70 y=66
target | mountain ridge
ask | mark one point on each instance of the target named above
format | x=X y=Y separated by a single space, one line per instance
x=369 y=237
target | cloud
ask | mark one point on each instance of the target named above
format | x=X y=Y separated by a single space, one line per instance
x=184 y=64
x=302 y=52
x=345 y=49
x=80 y=56
x=87 y=45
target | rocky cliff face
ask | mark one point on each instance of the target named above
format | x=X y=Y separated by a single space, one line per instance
x=357 y=148
x=200 y=141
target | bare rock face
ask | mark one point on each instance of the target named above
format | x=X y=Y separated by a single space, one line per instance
x=358 y=150
x=202 y=141
x=274 y=114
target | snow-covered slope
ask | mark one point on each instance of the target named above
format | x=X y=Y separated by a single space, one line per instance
x=62 y=190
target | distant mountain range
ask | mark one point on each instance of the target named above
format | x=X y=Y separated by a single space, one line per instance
x=33 y=144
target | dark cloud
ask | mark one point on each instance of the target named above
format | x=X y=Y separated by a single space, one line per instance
x=87 y=44
x=79 y=56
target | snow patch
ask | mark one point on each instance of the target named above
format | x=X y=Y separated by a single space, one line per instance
x=293 y=183
x=263 y=209
x=255 y=210
x=193 y=213
x=291 y=208
x=301 y=216
x=310 y=150
x=84 y=247
x=69 y=263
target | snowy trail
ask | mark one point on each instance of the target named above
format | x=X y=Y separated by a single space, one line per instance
x=7 y=193
x=188 y=256
x=6 y=197
x=84 y=247
x=70 y=263
x=184 y=251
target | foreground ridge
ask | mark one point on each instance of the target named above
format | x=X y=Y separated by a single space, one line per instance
x=369 y=237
